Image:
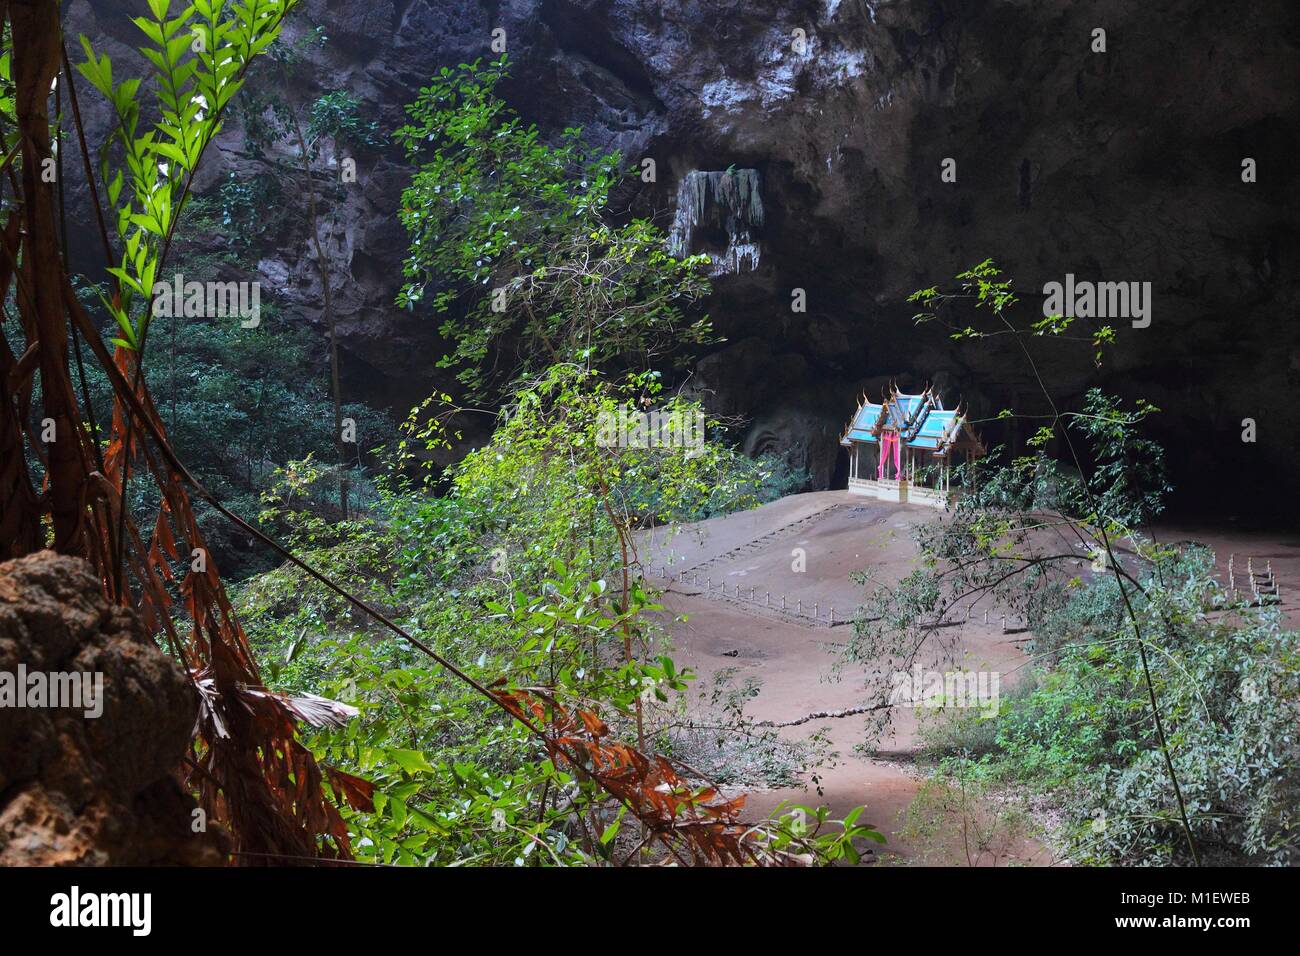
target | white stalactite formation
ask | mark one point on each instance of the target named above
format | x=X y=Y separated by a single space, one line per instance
x=730 y=200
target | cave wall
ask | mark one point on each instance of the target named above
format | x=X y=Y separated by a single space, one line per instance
x=1115 y=166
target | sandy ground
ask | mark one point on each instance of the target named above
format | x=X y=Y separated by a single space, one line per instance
x=833 y=534
x=837 y=533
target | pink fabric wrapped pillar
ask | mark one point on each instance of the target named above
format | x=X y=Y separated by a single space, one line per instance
x=890 y=444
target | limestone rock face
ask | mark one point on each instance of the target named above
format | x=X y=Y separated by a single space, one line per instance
x=91 y=791
x=1123 y=165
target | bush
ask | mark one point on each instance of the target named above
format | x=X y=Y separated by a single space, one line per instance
x=1228 y=689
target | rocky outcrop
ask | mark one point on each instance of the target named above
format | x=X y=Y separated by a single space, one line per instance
x=76 y=787
x=1123 y=165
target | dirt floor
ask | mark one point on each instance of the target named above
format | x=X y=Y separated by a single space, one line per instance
x=758 y=553
x=769 y=592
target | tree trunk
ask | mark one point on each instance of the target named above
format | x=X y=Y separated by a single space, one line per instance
x=35 y=64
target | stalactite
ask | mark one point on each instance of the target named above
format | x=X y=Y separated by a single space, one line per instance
x=730 y=200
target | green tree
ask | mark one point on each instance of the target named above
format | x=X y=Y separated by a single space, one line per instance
x=511 y=240
x=527 y=567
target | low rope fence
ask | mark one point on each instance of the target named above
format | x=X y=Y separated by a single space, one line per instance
x=799 y=610
x=811 y=612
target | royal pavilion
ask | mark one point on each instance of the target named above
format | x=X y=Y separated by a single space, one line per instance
x=905 y=448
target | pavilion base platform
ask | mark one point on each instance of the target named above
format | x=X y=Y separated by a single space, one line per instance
x=900 y=492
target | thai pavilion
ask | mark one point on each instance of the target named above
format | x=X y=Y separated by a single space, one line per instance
x=905 y=448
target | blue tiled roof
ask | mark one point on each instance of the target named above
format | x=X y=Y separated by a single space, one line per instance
x=921 y=419
x=936 y=424
x=863 y=427
x=904 y=410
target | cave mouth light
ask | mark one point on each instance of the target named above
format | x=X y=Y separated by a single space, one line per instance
x=717 y=214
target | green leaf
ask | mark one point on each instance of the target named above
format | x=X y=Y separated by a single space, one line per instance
x=412 y=761
x=175 y=47
x=149 y=28
x=147 y=223
x=115 y=189
x=98 y=71
x=172 y=151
